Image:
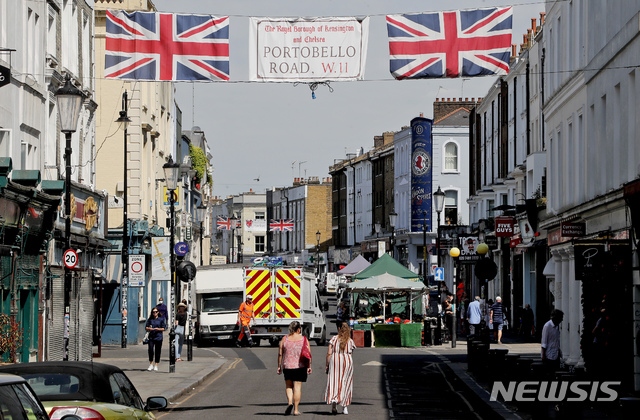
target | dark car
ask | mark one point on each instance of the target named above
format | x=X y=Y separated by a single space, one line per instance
x=85 y=389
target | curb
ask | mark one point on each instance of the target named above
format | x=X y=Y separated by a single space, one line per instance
x=188 y=385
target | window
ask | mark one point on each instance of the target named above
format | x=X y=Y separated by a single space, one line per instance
x=451 y=208
x=259 y=215
x=259 y=244
x=451 y=157
x=5 y=142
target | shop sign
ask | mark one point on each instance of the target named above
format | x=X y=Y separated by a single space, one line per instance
x=573 y=230
x=491 y=241
x=468 y=246
x=555 y=237
x=504 y=227
x=526 y=231
x=515 y=241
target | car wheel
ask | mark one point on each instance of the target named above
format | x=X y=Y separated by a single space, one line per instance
x=322 y=341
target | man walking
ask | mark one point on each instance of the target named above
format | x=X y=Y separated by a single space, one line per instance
x=496 y=319
x=474 y=316
x=245 y=316
x=550 y=343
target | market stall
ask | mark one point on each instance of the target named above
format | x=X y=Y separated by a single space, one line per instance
x=385 y=284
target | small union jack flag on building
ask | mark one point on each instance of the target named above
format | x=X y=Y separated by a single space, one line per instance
x=165 y=46
x=224 y=223
x=450 y=44
x=281 y=225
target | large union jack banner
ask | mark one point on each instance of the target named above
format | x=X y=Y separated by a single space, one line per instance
x=281 y=225
x=165 y=46
x=224 y=223
x=450 y=44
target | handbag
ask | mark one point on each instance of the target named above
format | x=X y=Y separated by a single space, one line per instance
x=145 y=340
x=305 y=354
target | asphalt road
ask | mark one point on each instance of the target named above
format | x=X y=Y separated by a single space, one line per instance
x=396 y=383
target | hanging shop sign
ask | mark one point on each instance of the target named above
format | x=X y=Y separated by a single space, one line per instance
x=504 y=227
x=515 y=241
x=421 y=173
x=307 y=50
x=160 y=258
x=573 y=230
x=5 y=76
x=255 y=225
x=468 y=246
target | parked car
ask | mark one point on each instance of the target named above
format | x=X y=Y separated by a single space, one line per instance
x=85 y=389
x=19 y=402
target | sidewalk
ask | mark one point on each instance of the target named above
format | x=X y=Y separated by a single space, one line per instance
x=134 y=361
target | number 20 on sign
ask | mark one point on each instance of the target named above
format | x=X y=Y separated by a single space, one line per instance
x=70 y=258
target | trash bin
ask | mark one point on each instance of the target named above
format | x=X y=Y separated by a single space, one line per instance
x=427 y=334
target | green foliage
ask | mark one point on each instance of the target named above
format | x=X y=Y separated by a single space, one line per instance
x=199 y=162
x=10 y=337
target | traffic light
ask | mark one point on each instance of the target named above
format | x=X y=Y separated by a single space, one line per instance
x=186 y=271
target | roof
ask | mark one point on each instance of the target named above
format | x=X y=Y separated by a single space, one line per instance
x=93 y=378
x=385 y=283
x=459 y=117
x=386 y=264
x=355 y=266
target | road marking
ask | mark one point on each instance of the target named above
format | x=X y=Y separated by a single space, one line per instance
x=374 y=363
x=214 y=352
x=227 y=368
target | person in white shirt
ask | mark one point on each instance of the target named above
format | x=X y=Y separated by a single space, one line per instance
x=550 y=344
x=474 y=316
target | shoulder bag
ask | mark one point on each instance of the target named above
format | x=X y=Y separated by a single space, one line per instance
x=305 y=354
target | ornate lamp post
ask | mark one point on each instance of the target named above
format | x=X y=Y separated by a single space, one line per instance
x=455 y=253
x=124 y=121
x=233 y=256
x=69 y=100
x=393 y=218
x=171 y=175
x=438 y=198
x=201 y=212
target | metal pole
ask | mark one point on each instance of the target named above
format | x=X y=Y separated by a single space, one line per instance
x=201 y=239
x=174 y=285
x=424 y=245
x=125 y=238
x=438 y=339
x=190 y=337
x=454 y=323
x=67 y=232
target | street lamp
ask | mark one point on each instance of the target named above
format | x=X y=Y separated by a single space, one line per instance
x=455 y=253
x=171 y=175
x=438 y=198
x=317 y=254
x=69 y=100
x=393 y=217
x=124 y=121
x=233 y=257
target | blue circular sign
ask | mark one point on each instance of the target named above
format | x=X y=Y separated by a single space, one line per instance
x=181 y=248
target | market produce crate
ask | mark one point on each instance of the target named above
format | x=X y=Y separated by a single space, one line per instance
x=362 y=327
x=411 y=335
x=387 y=335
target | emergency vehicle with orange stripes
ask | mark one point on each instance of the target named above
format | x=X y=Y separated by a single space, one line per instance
x=282 y=295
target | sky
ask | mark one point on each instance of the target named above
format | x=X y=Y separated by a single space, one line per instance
x=263 y=135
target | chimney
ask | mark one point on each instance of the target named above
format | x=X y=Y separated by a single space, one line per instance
x=378 y=141
x=513 y=50
x=534 y=28
x=388 y=137
x=530 y=38
x=421 y=115
x=542 y=15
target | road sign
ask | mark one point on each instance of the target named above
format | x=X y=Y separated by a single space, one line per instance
x=136 y=270
x=181 y=248
x=70 y=258
x=438 y=274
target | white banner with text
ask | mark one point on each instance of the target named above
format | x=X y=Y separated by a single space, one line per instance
x=307 y=50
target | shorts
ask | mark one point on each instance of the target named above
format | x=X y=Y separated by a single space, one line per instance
x=497 y=326
x=295 y=375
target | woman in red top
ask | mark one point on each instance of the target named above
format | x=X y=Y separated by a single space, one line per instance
x=295 y=373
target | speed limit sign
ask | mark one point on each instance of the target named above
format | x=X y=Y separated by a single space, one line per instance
x=70 y=258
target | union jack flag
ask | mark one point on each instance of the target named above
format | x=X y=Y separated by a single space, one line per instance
x=281 y=225
x=165 y=46
x=224 y=223
x=450 y=44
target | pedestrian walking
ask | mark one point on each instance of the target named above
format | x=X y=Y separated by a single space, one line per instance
x=340 y=315
x=474 y=316
x=340 y=370
x=526 y=328
x=245 y=316
x=550 y=343
x=290 y=363
x=496 y=318
x=180 y=324
x=155 y=326
x=162 y=309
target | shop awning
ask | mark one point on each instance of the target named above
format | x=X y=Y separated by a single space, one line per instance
x=549 y=268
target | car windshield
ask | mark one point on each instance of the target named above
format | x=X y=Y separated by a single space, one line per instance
x=222 y=302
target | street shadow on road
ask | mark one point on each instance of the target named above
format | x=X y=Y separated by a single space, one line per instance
x=200 y=408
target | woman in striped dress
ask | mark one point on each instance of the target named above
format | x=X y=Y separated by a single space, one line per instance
x=340 y=370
